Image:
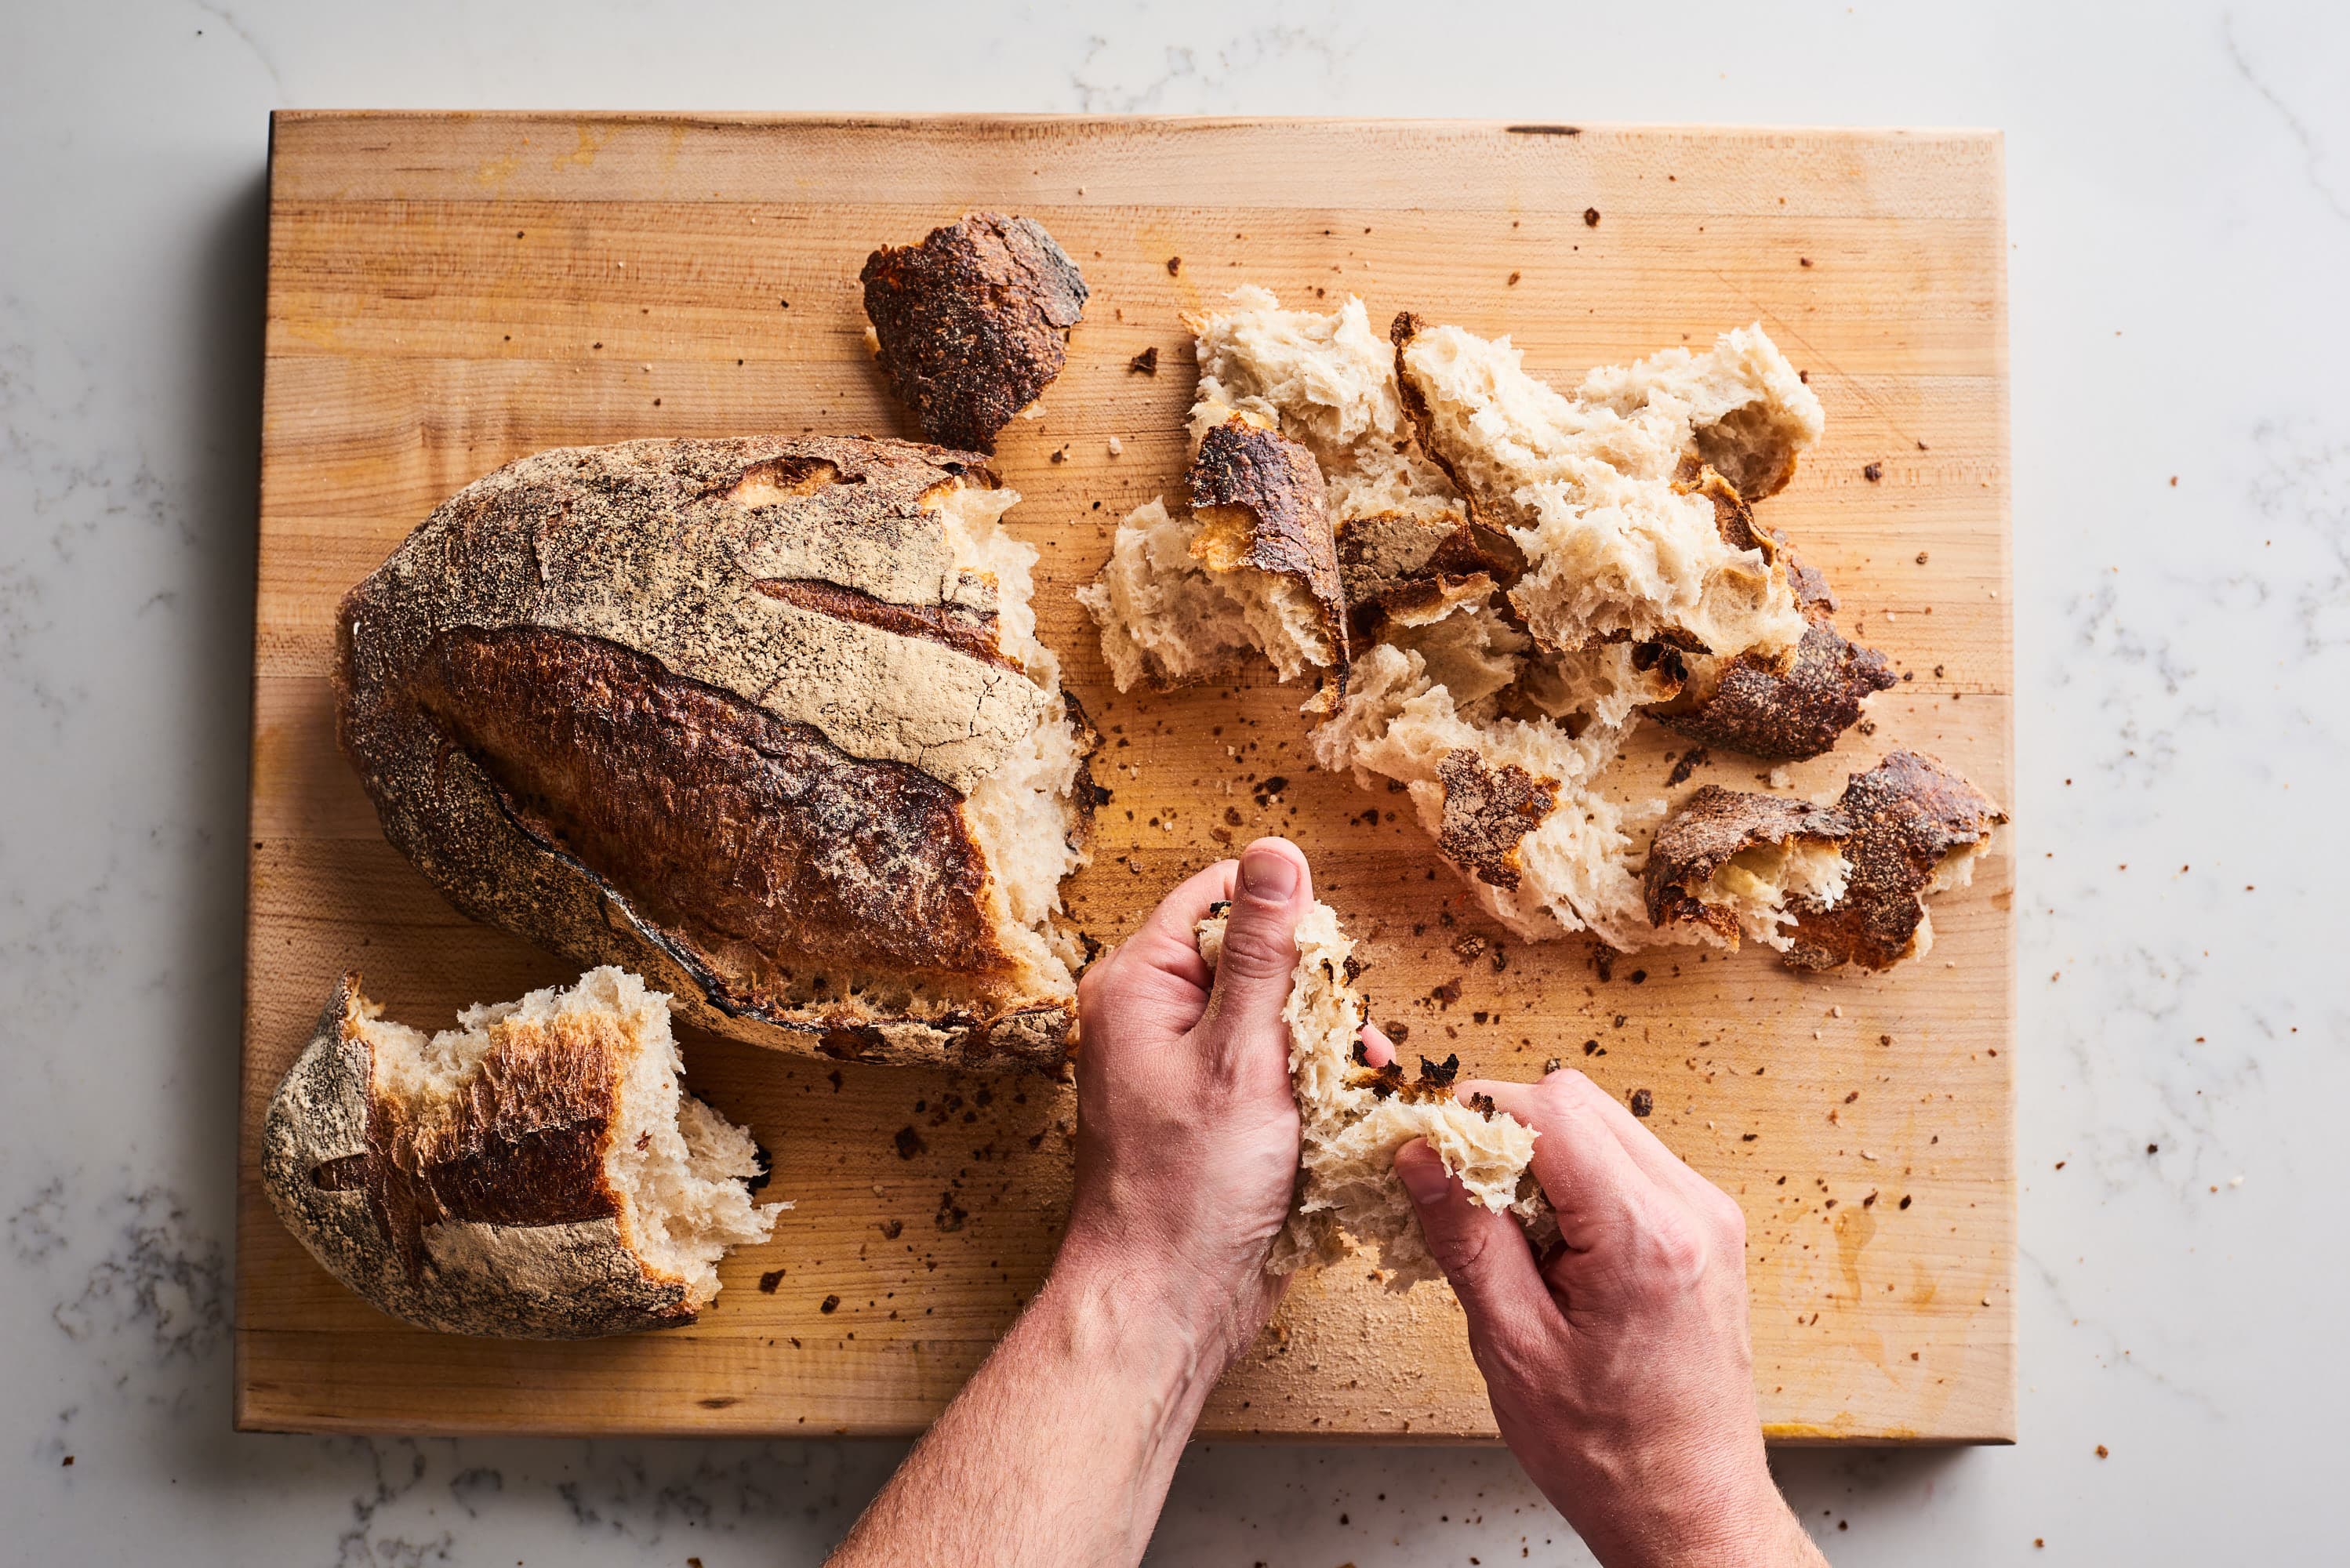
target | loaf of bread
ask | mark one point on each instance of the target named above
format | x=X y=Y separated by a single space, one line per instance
x=764 y=720
x=533 y=1173
x=971 y=324
x=1354 y=1118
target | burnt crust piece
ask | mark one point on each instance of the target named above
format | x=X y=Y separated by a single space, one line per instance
x=709 y=710
x=497 y=1219
x=1487 y=812
x=973 y=323
x=1908 y=814
x=1781 y=713
x=1712 y=826
x=1260 y=503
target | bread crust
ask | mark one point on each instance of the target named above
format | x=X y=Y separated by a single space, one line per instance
x=1782 y=713
x=973 y=321
x=1488 y=812
x=498 y=1219
x=1260 y=502
x=708 y=711
x=1398 y=571
x=1907 y=814
x=1709 y=828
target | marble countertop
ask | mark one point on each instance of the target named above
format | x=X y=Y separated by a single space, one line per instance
x=2179 y=180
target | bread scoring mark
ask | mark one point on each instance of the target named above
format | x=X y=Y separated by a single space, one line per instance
x=710 y=814
x=1487 y=812
x=972 y=632
x=777 y=480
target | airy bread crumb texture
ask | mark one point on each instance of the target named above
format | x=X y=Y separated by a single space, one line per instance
x=680 y=1169
x=1544 y=567
x=1025 y=816
x=1348 y=1191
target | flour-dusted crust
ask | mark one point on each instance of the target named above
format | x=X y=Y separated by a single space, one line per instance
x=1917 y=827
x=973 y=322
x=1711 y=831
x=498 y=1208
x=761 y=718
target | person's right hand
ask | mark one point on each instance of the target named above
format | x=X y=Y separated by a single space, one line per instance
x=1619 y=1366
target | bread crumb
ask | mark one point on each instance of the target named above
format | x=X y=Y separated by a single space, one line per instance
x=1590 y=217
x=1174 y=265
x=1116 y=446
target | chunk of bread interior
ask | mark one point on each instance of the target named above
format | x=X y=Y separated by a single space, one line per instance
x=1618 y=550
x=1355 y=1119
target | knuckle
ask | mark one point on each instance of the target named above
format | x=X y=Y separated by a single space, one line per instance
x=1674 y=1254
x=1258 y=950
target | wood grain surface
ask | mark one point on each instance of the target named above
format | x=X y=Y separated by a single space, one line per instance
x=448 y=293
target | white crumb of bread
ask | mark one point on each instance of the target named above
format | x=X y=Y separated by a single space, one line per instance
x=1168 y=620
x=682 y=1171
x=1329 y=382
x=1616 y=548
x=1348 y=1189
x=1763 y=887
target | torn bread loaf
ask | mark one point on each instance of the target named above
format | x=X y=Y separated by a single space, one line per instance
x=1742 y=865
x=1253 y=568
x=1523 y=574
x=764 y=720
x=1355 y=1117
x=535 y=1172
x=1918 y=829
x=972 y=324
x=1604 y=494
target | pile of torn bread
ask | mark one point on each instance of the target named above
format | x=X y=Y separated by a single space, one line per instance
x=1494 y=581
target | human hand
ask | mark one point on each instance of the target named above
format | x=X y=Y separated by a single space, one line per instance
x=1187 y=1129
x=1619 y=1366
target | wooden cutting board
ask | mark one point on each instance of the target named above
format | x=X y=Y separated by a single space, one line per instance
x=450 y=292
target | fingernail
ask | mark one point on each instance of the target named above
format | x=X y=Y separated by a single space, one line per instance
x=1423 y=1178
x=1268 y=874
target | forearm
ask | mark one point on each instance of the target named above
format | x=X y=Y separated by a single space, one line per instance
x=1060 y=1450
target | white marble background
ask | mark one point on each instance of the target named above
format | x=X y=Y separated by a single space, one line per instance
x=2179 y=188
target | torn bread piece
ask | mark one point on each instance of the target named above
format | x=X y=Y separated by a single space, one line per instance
x=1778 y=709
x=1741 y=863
x=1185 y=598
x=1917 y=830
x=1263 y=530
x=1618 y=545
x=1510 y=802
x=972 y=324
x=1329 y=382
x=1355 y=1117
x=535 y=1172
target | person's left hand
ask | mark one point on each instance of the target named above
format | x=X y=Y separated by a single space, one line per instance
x=1186 y=1130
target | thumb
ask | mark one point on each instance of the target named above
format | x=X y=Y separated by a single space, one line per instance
x=1483 y=1253
x=1272 y=890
